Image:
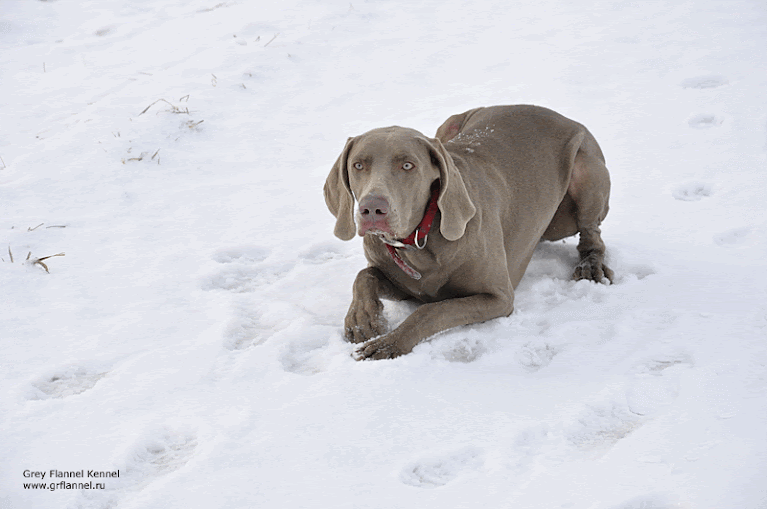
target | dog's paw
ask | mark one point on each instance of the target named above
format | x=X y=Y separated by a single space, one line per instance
x=593 y=269
x=365 y=320
x=384 y=347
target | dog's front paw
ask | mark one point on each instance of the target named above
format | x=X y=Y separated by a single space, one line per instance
x=385 y=347
x=593 y=268
x=364 y=321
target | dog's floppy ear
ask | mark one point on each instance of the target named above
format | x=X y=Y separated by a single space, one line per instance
x=454 y=202
x=452 y=126
x=339 y=197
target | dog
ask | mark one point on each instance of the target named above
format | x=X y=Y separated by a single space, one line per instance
x=453 y=221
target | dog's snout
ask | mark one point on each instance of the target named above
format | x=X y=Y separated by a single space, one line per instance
x=374 y=208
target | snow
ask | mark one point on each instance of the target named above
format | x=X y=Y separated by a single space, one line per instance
x=191 y=335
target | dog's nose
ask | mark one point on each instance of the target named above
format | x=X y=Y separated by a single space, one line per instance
x=374 y=208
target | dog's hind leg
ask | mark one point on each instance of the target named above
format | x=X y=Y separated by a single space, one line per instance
x=589 y=189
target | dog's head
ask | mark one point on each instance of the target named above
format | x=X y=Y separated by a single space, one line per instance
x=390 y=171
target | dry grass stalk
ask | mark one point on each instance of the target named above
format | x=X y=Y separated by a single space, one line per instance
x=56 y=226
x=270 y=40
x=174 y=109
x=35 y=228
x=1 y=160
x=39 y=261
x=34 y=261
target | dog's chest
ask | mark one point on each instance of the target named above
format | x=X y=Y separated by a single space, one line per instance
x=434 y=274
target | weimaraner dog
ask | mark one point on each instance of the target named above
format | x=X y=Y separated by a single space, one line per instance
x=453 y=221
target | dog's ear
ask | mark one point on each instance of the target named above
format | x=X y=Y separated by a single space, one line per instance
x=454 y=202
x=339 y=197
x=452 y=126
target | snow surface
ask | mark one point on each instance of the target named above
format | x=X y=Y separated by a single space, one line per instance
x=191 y=335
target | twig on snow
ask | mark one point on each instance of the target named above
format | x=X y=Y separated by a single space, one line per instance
x=39 y=261
x=174 y=109
x=270 y=40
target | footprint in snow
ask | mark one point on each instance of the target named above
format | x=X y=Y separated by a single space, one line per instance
x=705 y=121
x=656 y=384
x=691 y=191
x=241 y=254
x=152 y=458
x=705 y=81
x=653 y=388
x=246 y=332
x=257 y=320
x=599 y=427
x=322 y=253
x=536 y=355
x=435 y=471
x=465 y=349
x=732 y=237
x=463 y=345
x=245 y=270
x=306 y=350
x=67 y=382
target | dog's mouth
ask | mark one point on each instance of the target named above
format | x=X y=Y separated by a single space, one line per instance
x=388 y=238
x=381 y=229
x=378 y=228
x=383 y=235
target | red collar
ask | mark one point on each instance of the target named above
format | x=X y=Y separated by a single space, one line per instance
x=418 y=237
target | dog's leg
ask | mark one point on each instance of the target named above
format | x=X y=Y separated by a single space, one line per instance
x=365 y=319
x=432 y=318
x=591 y=248
x=590 y=190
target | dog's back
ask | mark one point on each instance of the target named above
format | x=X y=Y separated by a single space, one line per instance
x=520 y=159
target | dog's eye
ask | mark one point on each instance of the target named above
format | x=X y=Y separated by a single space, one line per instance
x=357 y=166
x=408 y=166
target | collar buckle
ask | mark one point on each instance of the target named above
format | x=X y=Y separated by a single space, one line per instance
x=415 y=239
